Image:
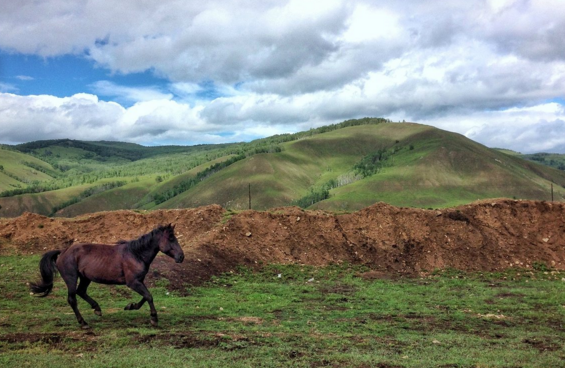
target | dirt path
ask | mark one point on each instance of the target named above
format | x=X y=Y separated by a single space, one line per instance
x=487 y=235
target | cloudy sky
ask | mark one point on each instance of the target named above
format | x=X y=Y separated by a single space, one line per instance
x=190 y=72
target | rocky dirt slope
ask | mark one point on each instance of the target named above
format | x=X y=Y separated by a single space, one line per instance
x=487 y=235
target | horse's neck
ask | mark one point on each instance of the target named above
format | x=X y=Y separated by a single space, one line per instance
x=149 y=251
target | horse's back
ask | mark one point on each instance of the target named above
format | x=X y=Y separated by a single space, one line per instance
x=83 y=251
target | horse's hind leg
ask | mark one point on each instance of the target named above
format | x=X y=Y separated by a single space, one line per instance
x=81 y=291
x=71 y=281
x=135 y=306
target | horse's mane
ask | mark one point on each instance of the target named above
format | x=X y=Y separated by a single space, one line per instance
x=138 y=245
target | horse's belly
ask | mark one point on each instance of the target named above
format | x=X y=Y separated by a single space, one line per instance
x=105 y=275
x=107 y=281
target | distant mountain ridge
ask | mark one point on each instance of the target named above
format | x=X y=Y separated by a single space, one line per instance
x=125 y=150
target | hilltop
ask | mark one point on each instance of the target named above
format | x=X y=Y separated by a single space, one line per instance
x=343 y=167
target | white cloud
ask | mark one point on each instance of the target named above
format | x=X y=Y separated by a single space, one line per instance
x=7 y=87
x=368 y=23
x=539 y=128
x=186 y=88
x=238 y=68
x=24 y=77
x=84 y=116
x=130 y=94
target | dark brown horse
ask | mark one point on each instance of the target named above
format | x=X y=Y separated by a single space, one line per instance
x=125 y=263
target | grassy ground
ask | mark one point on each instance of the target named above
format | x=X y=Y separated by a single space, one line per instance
x=292 y=316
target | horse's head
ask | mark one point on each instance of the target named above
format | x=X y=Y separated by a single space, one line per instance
x=169 y=244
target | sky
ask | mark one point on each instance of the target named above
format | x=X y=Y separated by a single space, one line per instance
x=188 y=72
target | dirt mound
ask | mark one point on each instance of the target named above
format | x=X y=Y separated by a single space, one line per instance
x=487 y=235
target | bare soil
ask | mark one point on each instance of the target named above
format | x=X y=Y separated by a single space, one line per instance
x=486 y=235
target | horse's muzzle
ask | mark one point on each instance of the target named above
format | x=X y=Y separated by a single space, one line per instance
x=179 y=258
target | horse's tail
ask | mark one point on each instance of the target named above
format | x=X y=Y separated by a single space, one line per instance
x=48 y=269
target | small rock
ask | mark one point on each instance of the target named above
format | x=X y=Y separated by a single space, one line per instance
x=436 y=341
x=298 y=219
x=248 y=234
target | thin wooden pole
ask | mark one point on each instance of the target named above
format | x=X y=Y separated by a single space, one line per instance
x=249 y=195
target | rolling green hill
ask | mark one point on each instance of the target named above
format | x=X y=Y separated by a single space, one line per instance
x=445 y=169
x=278 y=179
x=345 y=166
x=426 y=167
x=18 y=170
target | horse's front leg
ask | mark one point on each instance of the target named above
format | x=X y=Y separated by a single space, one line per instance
x=139 y=287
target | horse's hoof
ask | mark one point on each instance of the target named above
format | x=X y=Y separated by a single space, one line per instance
x=85 y=327
x=129 y=306
x=98 y=313
x=154 y=323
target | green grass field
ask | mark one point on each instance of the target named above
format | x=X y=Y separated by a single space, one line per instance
x=294 y=316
